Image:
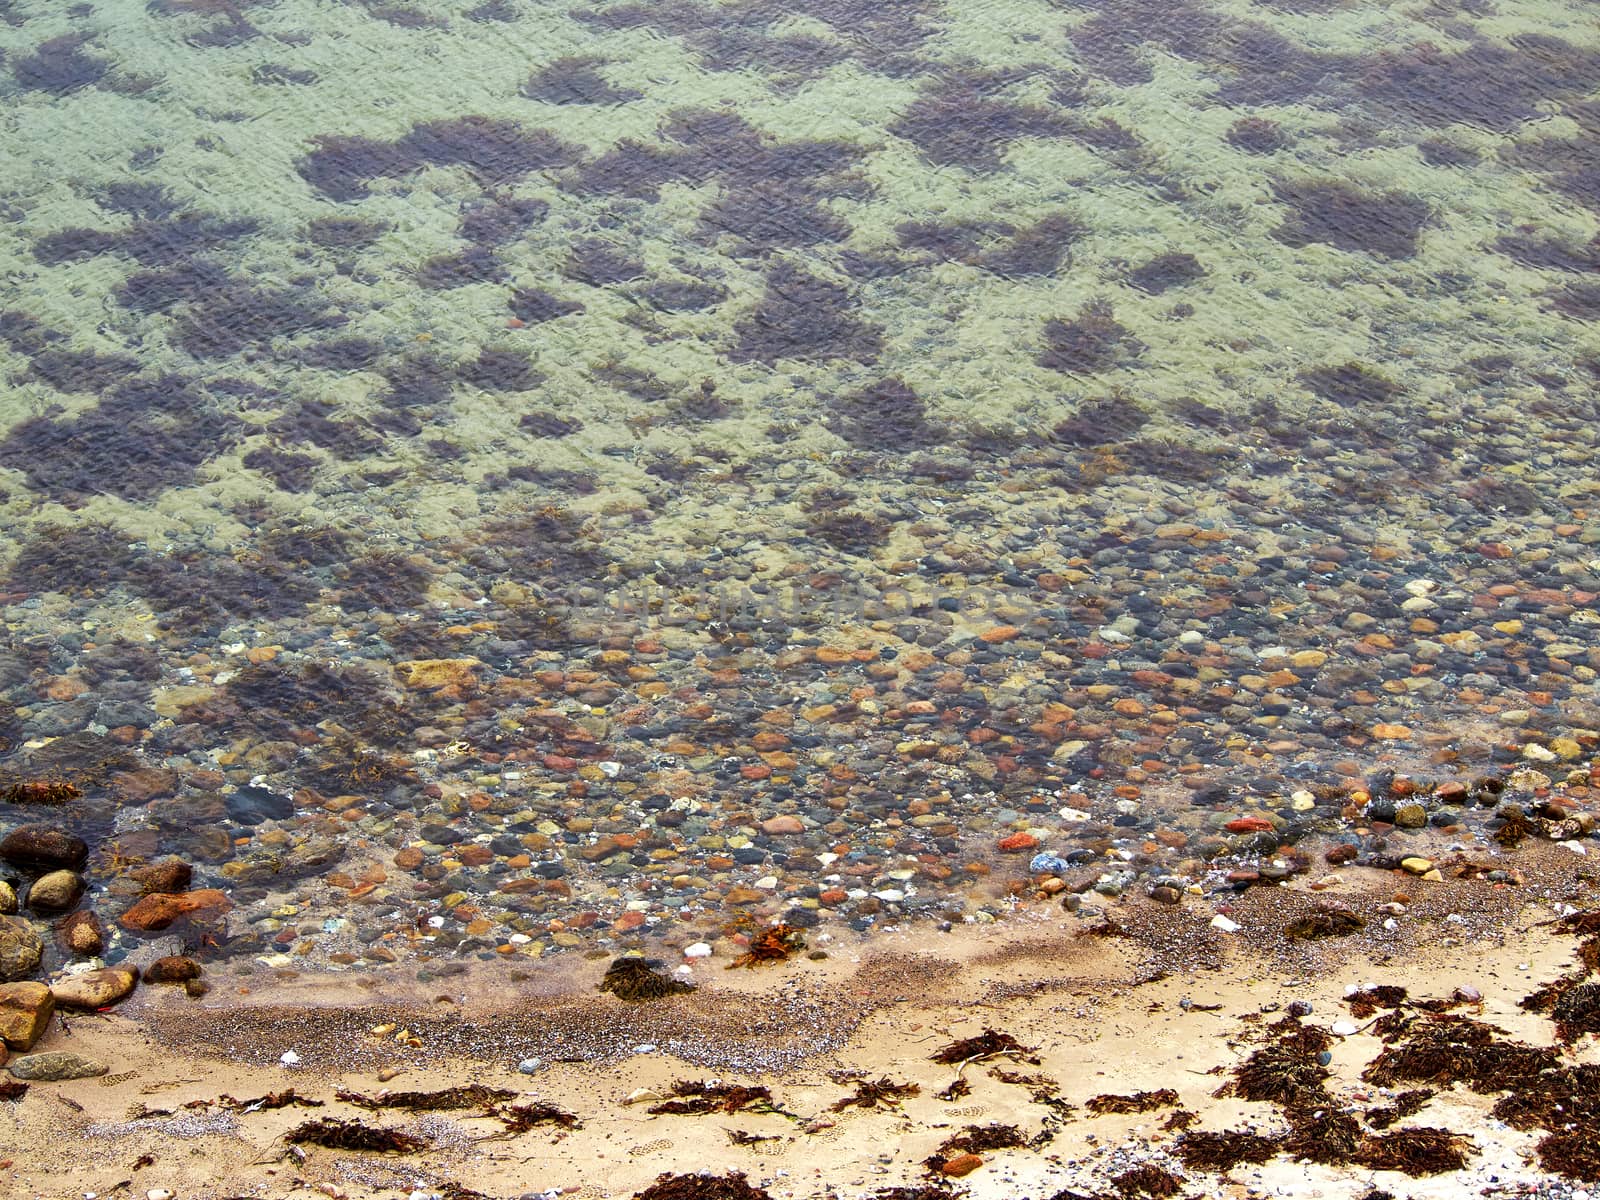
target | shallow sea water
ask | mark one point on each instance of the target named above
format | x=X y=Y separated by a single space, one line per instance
x=492 y=478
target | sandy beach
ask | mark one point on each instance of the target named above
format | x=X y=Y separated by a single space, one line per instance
x=1156 y=1016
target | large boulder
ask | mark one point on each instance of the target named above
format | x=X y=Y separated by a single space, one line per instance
x=25 y=1011
x=20 y=950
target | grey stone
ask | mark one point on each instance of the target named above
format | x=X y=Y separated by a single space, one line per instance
x=20 y=950
x=54 y=1065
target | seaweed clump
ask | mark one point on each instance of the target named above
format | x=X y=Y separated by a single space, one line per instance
x=1137 y=1102
x=1422 y=1151
x=1148 y=1179
x=1224 y=1150
x=871 y=1093
x=335 y=1134
x=1385 y=225
x=637 y=979
x=772 y=945
x=1089 y=343
x=1444 y=1049
x=1324 y=923
x=695 y=1098
x=733 y=1186
x=803 y=316
x=985 y=1047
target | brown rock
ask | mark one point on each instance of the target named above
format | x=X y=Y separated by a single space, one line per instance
x=783 y=824
x=25 y=1011
x=169 y=875
x=82 y=934
x=143 y=784
x=408 y=859
x=743 y=895
x=94 y=990
x=159 y=910
x=20 y=949
x=172 y=969
x=961 y=1164
x=44 y=848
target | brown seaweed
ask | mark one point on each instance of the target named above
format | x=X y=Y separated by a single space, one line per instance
x=637 y=980
x=1324 y=923
x=695 y=1097
x=472 y=1095
x=39 y=791
x=1370 y=999
x=1575 y=1155
x=732 y=1186
x=1422 y=1151
x=870 y=1093
x=335 y=1134
x=1147 y=1180
x=519 y=1118
x=1137 y=1102
x=1224 y=1150
x=771 y=945
x=990 y=1044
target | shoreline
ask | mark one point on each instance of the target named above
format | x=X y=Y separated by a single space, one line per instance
x=806 y=1030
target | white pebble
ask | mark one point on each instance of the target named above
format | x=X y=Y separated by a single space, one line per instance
x=1345 y=1028
x=289 y=1058
x=698 y=950
x=158 y=1194
x=1224 y=924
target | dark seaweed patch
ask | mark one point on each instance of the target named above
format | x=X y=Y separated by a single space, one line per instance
x=495 y=150
x=177 y=240
x=1203 y=1151
x=941 y=241
x=803 y=316
x=312 y=422
x=59 y=66
x=546 y=424
x=145 y=435
x=89 y=557
x=1350 y=385
x=344 y=233
x=157 y=291
x=1038 y=249
x=239 y=315
x=495 y=222
x=640 y=979
x=1384 y=224
x=271 y=74
x=1414 y=1151
x=290 y=471
x=148 y=201
x=1101 y=422
x=229 y=26
x=732 y=1186
x=1578 y=300
x=341 y=167
x=1495 y=87
x=632 y=168
x=888 y=415
x=342 y=354
x=1549 y=255
x=535 y=306
x=574 y=81
x=1437 y=152
x=418 y=381
x=25 y=334
x=1257 y=135
x=1166 y=271
x=599 y=263
x=74 y=245
x=472 y=265
x=774 y=214
x=82 y=370
x=1444 y=1049
x=1091 y=342
x=498 y=369
x=960 y=121
x=1323 y=923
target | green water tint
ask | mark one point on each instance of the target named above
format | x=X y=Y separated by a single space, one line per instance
x=426 y=310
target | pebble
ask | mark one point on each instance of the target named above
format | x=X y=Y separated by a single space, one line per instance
x=531 y=1066
x=55 y=891
x=91 y=990
x=1345 y=1029
x=1225 y=924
